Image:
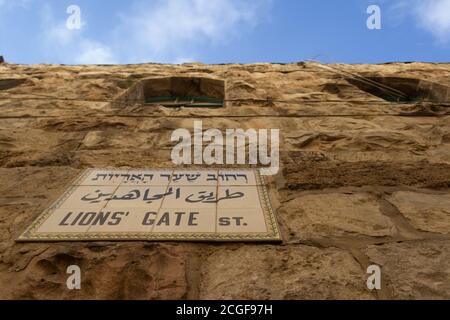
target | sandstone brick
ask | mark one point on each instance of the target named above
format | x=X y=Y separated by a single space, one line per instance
x=314 y=216
x=414 y=269
x=425 y=211
x=124 y=271
x=268 y=272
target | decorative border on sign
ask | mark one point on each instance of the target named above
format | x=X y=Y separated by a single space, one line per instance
x=273 y=234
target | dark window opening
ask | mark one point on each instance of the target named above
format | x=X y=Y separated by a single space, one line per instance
x=174 y=101
x=6 y=84
x=177 y=92
x=406 y=90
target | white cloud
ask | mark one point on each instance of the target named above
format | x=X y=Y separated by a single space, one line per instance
x=168 y=29
x=158 y=31
x=71 y=46
x=434 y=16
x=93 y=52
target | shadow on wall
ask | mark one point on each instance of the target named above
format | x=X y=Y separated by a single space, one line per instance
x=407 y=90
x=176 y=92
x=6 y=84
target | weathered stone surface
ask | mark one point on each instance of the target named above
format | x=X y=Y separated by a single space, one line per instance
x=425 y=211
x=322 y=172
x=24 y=193
x=321 y=215
x=123 y=271
x=268 y=272
x=414 y=269
x=336 y=139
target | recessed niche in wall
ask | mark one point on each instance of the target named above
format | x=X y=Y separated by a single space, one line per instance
x=6 y=84
x=406 y=90
x=177 y=92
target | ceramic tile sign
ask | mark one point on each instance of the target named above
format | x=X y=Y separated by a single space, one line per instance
x=160 y=204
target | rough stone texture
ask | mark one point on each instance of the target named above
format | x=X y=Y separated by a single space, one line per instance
x=144 y=271
x=300 y=272
x=429 y=212
x=362 y=181
x=334 y=215
x=416 y=269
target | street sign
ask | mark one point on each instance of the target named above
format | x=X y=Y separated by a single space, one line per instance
x=160 y=204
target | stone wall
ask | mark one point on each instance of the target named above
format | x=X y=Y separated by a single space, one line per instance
x=363 y=181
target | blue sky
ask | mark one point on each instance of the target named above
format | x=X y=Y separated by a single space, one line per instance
x=224 y=31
